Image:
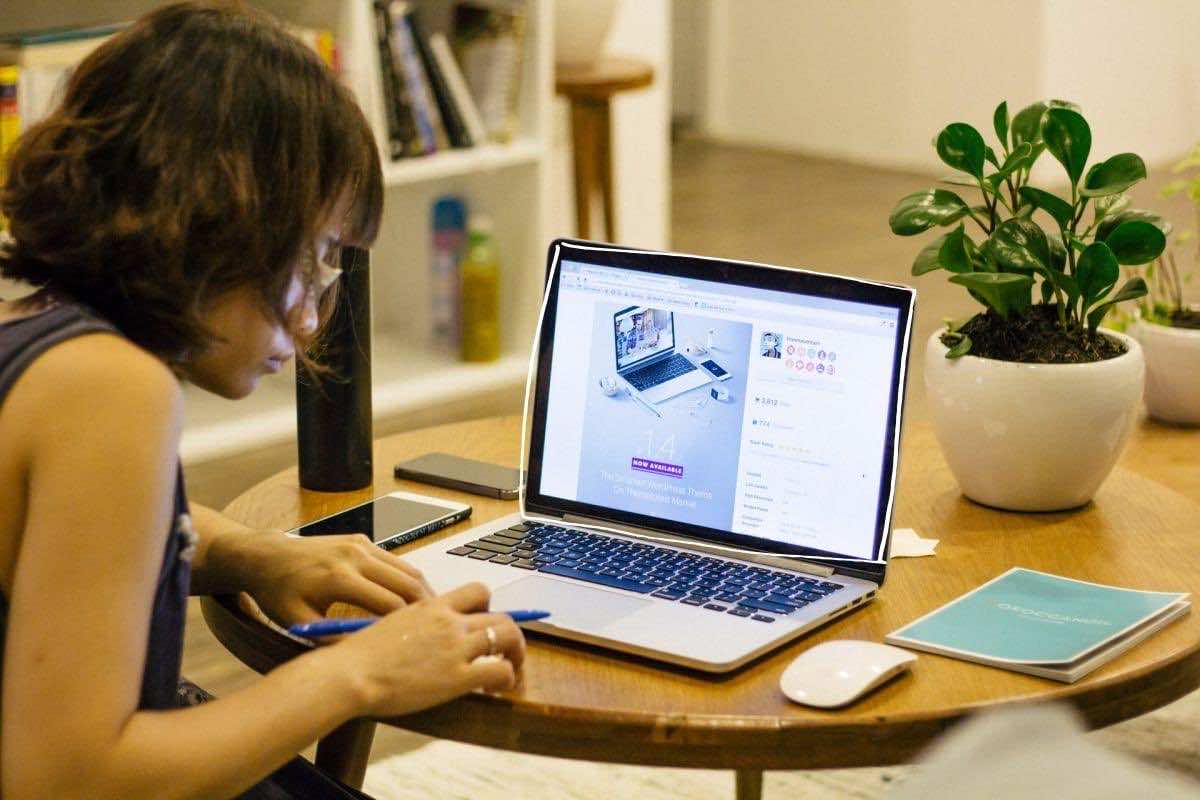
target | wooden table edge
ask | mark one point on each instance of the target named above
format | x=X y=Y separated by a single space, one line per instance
x=715 y=741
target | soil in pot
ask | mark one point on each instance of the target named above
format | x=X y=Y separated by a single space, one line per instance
x=1034 y=337
x=1185 y=318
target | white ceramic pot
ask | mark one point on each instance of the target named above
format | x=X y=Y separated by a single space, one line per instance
x=1172 y=371
x=1032 y=437
x=581 y=29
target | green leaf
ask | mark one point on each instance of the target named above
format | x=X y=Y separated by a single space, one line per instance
x=1114 y=175
x=1068 y=138
x=1096 y=272
x=1107 y=206
x=927 y=259
x=961 y=147
x=1047 y=291
x=990 y=155
x=1004 y=292
x=1066 y=284
x=1017 y=159
x=1058 y=251
x=961 y=348
x=1052 y=204
x=958 y=252
x=1134 y=288
x=1174 y=187
x=1112 y=220
x=954 y=325
x=1025 y=211
x=1027 y=124
x=959 y=180
x=920 y=211
x=1136 y=242
x=1000 y=123
x=1019 y=245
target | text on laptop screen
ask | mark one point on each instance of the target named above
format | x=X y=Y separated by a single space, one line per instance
x=788 y=446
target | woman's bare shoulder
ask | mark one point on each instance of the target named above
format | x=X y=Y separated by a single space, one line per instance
x=95 y=375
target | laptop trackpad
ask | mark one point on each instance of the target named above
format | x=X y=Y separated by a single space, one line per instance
x=571 y=605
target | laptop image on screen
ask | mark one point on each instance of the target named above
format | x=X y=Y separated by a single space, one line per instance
x=644 y=340
x=738 y=518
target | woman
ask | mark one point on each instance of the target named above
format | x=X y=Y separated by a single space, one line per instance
x=178 y=212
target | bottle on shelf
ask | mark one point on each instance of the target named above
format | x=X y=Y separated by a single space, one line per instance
x=449 y=239
x=480 y=294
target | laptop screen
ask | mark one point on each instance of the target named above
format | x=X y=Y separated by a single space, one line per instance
x=788 y=443
x=640 y=332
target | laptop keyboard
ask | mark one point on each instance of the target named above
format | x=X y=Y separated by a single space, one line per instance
x=706 y=582
x=659 y=372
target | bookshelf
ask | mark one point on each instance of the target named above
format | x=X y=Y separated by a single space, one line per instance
x=510 y=182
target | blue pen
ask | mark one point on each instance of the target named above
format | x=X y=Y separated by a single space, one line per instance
x=333 y=627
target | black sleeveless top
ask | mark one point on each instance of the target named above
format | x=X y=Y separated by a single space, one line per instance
x=21 y=342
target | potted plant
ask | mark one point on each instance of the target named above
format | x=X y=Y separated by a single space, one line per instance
x=1031 y=403
x=1167 y=327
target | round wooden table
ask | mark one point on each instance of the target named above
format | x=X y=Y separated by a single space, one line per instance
x=579 y=702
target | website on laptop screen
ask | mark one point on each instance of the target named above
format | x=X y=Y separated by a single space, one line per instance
x=788 y=446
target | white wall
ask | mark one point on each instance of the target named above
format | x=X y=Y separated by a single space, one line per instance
x=874 y=81
x=641 y=136
x=689 y=58
x=1134 y=67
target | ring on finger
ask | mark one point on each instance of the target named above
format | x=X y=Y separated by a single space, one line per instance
x=493 y=645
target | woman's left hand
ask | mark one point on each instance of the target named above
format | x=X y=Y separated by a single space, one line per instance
x=295 y=579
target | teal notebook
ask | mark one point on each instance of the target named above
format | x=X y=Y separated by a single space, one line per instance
x=1042 y=624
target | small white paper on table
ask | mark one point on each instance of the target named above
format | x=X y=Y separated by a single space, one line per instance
x=907 y=544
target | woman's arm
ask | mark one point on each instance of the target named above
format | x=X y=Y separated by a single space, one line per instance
x=103 y=423
x=296 y=580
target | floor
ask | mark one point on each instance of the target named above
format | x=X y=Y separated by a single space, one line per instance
x=727 y=201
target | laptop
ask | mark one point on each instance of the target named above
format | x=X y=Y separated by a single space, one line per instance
x=646 y=359
x=729 y=519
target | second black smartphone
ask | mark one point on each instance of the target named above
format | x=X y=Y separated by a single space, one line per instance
x=464 y=474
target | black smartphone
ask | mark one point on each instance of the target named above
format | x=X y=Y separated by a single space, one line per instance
x=464 y=474
x=714 y=369
x=392 y=520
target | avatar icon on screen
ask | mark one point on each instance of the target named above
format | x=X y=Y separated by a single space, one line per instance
x=769 y=346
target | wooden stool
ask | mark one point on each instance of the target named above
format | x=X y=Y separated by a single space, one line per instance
x=590 y=89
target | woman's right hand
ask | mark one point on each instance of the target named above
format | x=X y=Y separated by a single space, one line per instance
x=426 y=653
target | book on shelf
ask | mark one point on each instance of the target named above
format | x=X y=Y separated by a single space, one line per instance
x=407 y=58
x=401 y=128
x=447 y=104
x=428 y=106
x=39 y=64
x=489 y=42
x=1042 y=624
x=321 y=41
x=456 y=85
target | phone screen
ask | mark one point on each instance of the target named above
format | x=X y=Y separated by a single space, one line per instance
x=381 y=519
x=713 y=367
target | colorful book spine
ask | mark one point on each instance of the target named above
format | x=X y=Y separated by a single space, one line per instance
x=401 y=132
x=10 y=120
x=425 y=110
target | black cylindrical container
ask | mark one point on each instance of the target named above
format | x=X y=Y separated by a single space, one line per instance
x=333 y=411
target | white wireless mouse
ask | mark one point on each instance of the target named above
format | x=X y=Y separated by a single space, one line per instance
x=833 y=674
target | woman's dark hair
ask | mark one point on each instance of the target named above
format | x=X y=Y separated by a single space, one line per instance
x=200 y=150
